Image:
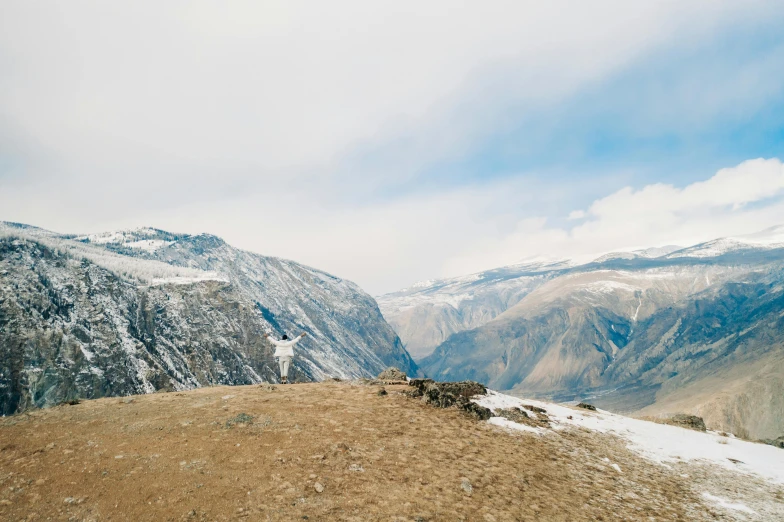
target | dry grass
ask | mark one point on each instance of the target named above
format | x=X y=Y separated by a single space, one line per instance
x=327 y=451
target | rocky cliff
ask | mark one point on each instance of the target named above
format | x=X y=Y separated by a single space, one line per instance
x=91 y=317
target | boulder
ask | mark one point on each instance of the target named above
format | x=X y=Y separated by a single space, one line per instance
x=391 y=374
x=448 y=394
x=684 y=420
x=521 y=417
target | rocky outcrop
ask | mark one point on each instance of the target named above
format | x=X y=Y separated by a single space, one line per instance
x=451 y=394
x=684 y=420
x=391 y=374
x=779 y=442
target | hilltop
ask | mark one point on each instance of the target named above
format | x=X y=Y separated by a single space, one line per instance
x=345 y=451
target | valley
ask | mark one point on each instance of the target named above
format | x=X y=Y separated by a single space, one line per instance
x=695 y=330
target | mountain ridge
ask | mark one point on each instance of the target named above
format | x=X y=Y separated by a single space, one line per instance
x=571 y=333
x=173 y=314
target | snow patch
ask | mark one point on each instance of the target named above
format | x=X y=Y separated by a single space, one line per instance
x=660 y=443
x=149 y=245
x=723 y=502
x=185 y=280
x=608 y=286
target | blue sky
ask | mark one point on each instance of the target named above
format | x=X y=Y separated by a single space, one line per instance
x=675 y=115
x=397 y=142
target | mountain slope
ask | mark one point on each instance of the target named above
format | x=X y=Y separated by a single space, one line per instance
x=89 y=319
x=722 y=353
x=641 y=334
x=426 y=314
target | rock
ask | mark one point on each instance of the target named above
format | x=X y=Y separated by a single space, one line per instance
x=382 y=392
x=356 y=467
x=587 y=406
x=448 y=394
x=419 y=383
x=319 y=487
x=466 y=486
x=779 y=442
x=472 y=408
x=391 y=374
x=521 y=417
x=465 y=389
x=683 y=420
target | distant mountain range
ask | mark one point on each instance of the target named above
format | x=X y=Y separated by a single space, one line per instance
x=697 y=330
x=144 y=310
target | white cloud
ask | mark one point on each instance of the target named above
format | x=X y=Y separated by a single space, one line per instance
x=260 y=91
x=735 y=201
x=251 y=121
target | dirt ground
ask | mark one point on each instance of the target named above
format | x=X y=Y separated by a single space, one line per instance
x=325 y=451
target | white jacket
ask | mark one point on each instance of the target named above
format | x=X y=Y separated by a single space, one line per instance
x=284 y=348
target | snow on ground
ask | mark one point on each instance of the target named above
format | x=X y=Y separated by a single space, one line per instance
x=657 y=442
x=186 y=280
x=726 y=504
x=149 y=245
x=609 y=286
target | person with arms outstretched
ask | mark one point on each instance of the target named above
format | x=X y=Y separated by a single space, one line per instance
x=284 y=351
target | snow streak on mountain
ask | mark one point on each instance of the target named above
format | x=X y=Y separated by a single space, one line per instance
x=145 y=310
x=654 y=332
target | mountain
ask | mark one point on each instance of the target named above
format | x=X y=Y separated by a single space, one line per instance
x=146 y=310
x=427 y=313
x=696 y=330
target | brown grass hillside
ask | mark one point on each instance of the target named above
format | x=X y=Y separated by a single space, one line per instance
x=326 y=451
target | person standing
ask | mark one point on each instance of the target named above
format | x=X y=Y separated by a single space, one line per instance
x=284 y=351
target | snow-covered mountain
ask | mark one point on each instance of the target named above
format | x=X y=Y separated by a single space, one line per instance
x=427 y=313
x=696 y=329
x=142 y=310
x=769 y=239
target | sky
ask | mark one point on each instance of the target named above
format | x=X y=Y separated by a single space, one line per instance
x=392 y=142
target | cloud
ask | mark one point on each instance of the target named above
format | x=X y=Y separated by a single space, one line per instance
x=735 y=201
x=349 y=136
